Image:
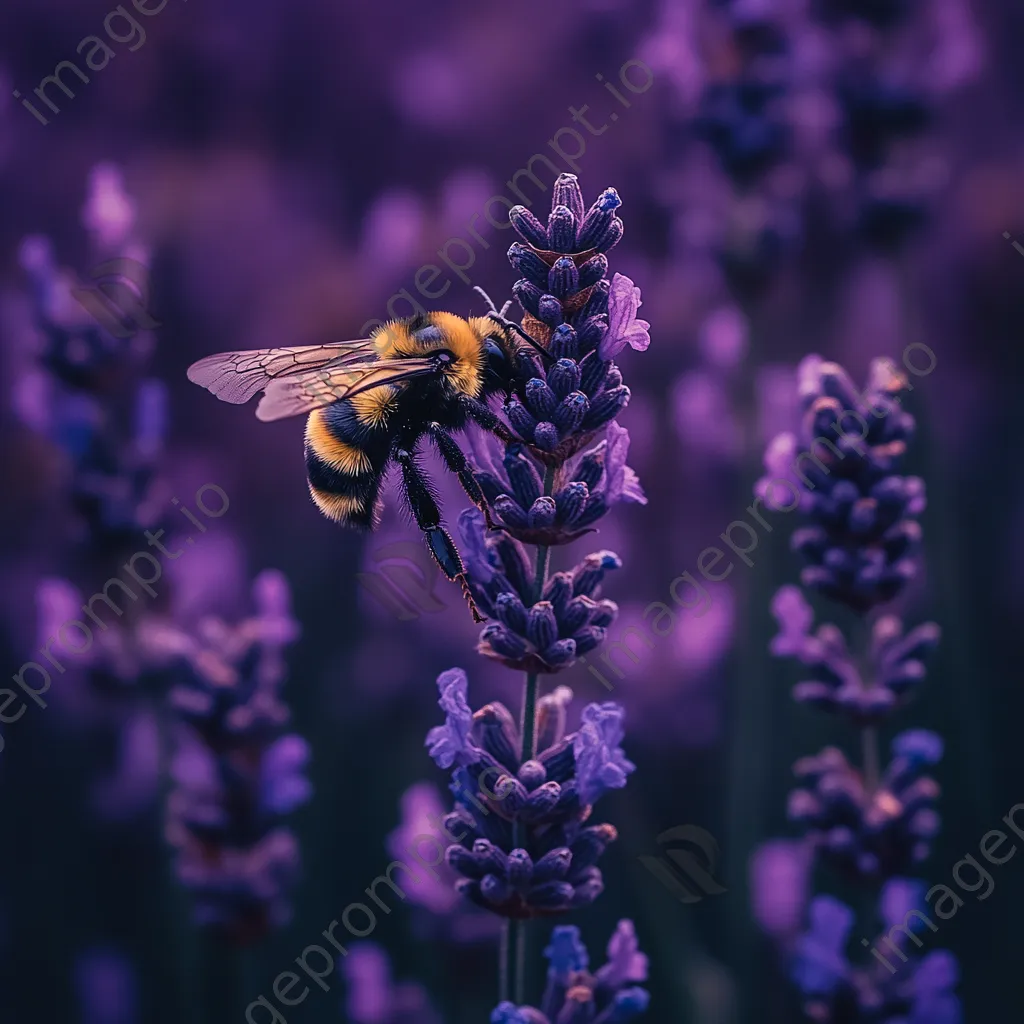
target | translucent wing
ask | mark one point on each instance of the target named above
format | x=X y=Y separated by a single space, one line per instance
x=302 y=392
x=236 y=376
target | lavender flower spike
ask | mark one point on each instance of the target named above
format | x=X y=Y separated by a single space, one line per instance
x=869 y=823
x=237 y=773
x=524 y=848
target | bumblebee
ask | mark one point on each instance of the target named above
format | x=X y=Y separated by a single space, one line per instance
x=370 y=402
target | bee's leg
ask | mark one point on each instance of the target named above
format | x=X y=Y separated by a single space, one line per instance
x=483 y=416
x=428 y=518
x=455 y=459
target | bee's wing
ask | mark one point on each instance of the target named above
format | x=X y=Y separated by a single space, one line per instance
x=302 y=392
x=236 y=376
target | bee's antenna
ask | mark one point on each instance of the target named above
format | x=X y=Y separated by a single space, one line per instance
x=512 y=325
x=490 y=301
x=504 y=309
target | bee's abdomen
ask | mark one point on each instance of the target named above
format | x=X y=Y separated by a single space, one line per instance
x=344 y=462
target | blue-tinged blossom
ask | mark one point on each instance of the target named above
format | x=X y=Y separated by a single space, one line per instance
x=601 y=764
x=896 y=989
x=575 y=996
x=449 y=743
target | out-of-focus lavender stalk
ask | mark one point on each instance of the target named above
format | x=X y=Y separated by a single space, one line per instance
x=871 y=824
x=237 y=775
x=524 y=793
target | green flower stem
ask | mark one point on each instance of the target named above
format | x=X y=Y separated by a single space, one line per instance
x=512 y=968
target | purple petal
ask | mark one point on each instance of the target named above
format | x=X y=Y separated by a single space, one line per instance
x=623 y=326
x=449 y=744
x=621 y=483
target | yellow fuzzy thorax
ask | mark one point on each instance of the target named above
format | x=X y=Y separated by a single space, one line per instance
x=460 y=337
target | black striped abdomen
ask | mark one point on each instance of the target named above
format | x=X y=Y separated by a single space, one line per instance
x=345 y=457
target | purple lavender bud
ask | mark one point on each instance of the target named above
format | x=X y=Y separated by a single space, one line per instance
x=577 y=614
x=563 y=278
x=597 y=506
x=494 y=889
x=520 y=868
x=549 y=311
x=540 y=399
x=597 y=220
x=566 y=192
x=493 y=858
x=551 y=896
x=587 y=638
x=606 y=407
x=564 y=377
x=528 y=295
x=502 y=640
x=527 y=364
x=529 y=227
x=611 y=237
x=564 y=343
x=542 y=513
x=523 y=421
x=590 y=844
x=540 y=805
x=605 y=613
x=587 y=576
x=532 y=774
x=558 y=590
x=546 y=436
x=570 y=413
x=560 y=653
x=465 y=862
x=591 y=467
x=597 y=301
x=497 y=734
x=541 y=627
x=525 y=481
x=511 y=612
x=513 y=560
x=592 y=332
x=594 y=370
x=562 y=231
x=593 y=270
x=570 y=502
x=510 y=512
x=529 y=264
x=553 y=866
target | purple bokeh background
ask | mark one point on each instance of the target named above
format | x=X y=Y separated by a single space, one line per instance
x=284 y=170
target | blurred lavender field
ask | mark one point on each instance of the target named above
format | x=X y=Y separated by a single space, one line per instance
x=235 y=754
